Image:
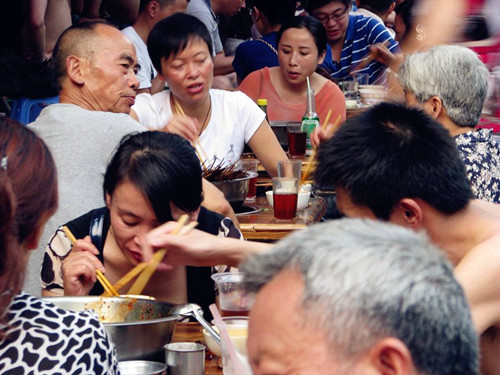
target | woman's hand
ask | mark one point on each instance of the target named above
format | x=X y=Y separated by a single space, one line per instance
x=78 y=269
x=186 y=127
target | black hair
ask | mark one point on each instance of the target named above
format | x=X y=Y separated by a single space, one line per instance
x=312 y=5
x=315 y=27
x=276 y=11
x=376 y=6
x=172 y=34
x=163 y=166
x=405 y=9
x=391 y=152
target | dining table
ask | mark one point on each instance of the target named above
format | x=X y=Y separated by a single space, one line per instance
x=192 y=332
x=261 y=225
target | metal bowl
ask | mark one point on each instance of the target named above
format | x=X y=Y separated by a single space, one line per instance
x=142 y=368
x=236 y=190
x=139 y=328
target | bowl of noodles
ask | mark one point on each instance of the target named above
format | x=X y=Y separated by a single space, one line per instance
x=139 y=327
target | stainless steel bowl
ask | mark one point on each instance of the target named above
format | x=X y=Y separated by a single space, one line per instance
x=139 y=328
x=236 y=190
x=142 y=368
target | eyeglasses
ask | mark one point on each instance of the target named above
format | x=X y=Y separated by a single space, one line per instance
x=337 y=16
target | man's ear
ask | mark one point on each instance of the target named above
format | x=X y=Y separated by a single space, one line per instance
x=153 y=8
x=321 y=57
x=408 y=213
x=75 y=66
x=390 y=356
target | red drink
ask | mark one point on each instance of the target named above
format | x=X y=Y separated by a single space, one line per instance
x=297 y=144
x=234 y=312
x=285 y=205
x=252 y=188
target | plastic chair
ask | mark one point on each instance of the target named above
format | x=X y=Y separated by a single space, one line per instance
x=26 y=110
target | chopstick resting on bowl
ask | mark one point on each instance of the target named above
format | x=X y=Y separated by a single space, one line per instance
x=100 y=276
x=151 y=267
x=197 y=142
x=312 y=158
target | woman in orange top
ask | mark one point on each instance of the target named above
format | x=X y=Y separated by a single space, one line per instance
x=301 y=47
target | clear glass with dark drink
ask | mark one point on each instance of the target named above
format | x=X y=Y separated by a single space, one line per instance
x=296 y=140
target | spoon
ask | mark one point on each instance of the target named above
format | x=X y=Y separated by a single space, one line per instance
x=194 y=310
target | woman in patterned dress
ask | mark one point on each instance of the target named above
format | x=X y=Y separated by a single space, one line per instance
x=36 y=337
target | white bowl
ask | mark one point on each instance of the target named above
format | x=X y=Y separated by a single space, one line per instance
x=302 y=200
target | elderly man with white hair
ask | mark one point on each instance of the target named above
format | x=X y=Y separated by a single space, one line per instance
x=358 y=297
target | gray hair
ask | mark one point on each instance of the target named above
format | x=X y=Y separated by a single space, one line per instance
x=366 y=280
x=454 y=74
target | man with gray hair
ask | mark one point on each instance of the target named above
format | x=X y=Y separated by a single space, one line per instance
x=450 y=83
x=377 y=299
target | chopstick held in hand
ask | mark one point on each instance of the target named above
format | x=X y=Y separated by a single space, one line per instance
x=100 y=276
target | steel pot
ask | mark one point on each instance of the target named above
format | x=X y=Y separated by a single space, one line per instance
x=139 y=327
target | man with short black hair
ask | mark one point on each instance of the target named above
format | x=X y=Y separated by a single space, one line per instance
x=397 y=164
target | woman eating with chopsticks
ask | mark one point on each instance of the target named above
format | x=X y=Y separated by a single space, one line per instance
x=217 y=122
x=154 y=177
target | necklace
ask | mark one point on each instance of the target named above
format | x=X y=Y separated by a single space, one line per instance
x=206 y=116
x=178 y=110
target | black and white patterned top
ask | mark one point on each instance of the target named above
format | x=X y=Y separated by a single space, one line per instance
x=481 y=155
x=45 y=340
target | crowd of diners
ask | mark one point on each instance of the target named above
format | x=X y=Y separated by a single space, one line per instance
x=404 y=283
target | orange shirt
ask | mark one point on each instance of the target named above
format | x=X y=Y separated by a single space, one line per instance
x=258 y=85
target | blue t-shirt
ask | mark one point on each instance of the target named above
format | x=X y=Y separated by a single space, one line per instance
x=360 y=34
x=256 y=54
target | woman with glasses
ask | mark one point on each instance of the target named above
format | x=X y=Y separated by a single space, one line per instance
x=301 y=47
x=351 y=38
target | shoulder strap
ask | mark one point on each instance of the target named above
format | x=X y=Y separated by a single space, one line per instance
x=97 y=227
x=268 y=44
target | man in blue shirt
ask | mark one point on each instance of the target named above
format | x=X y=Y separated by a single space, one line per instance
x=351 y=39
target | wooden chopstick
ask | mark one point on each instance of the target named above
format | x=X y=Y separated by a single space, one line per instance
x=369 y=57
x=312 y=159
x=197 y=142
x=100 y=276
x=144 y=277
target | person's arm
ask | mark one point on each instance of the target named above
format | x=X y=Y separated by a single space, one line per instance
x=223 y=64
x=157 y=85
x=267 y=149
x=198 y=248
x=478 y=274
x=214 y=200
x=37 y=30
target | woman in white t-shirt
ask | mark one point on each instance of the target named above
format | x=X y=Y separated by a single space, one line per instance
x=223 y=121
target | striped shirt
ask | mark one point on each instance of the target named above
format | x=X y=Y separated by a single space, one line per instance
x=360 y=34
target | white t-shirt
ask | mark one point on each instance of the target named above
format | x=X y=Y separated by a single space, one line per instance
x=147 y=72
x=235 y=119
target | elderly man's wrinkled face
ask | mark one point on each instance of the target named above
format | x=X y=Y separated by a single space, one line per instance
x=279 y=343
x=109 y=80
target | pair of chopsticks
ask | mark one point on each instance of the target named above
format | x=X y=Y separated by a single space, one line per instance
x=197 y=142
x=100 y=276
x=369 y=57
x=146 y=270
x=312 y=159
